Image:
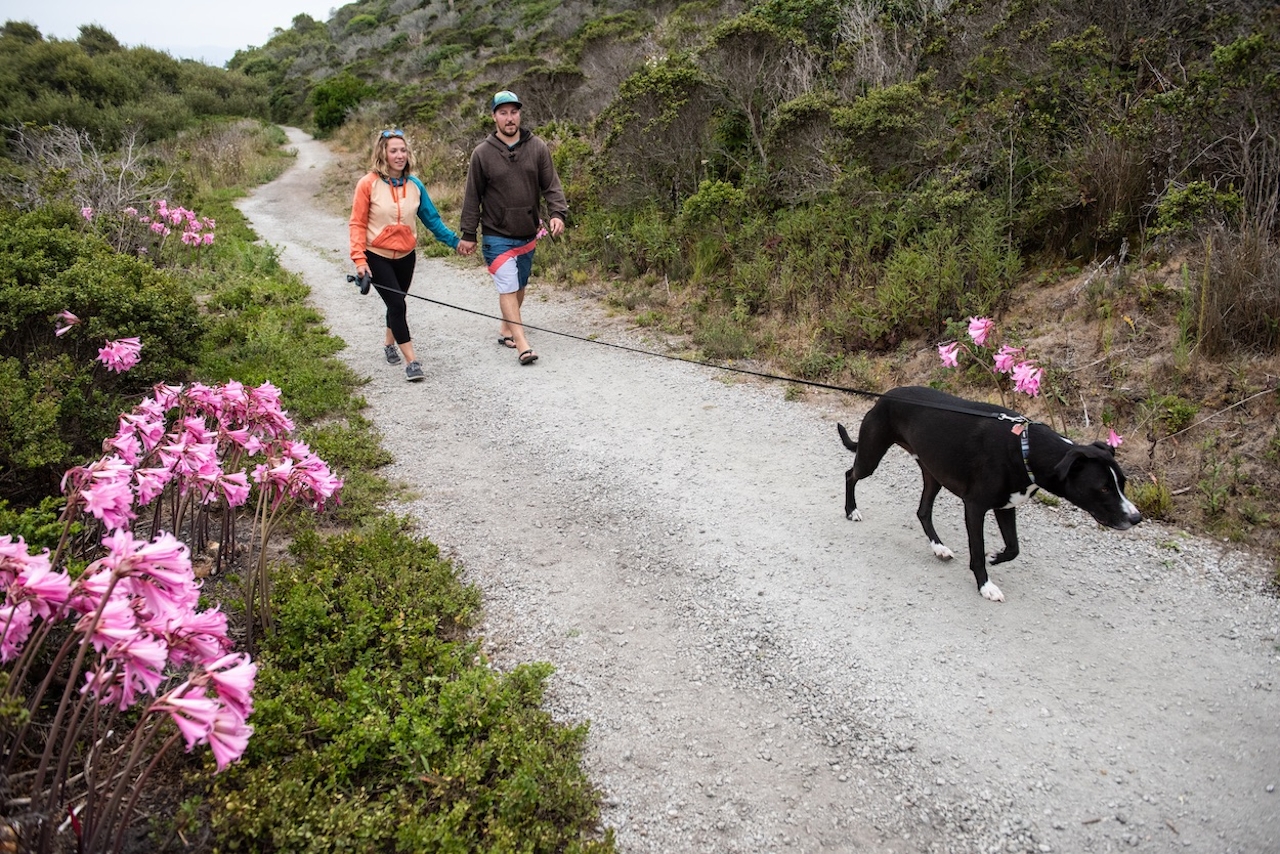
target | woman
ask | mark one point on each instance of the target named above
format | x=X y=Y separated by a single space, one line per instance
x=384 y=240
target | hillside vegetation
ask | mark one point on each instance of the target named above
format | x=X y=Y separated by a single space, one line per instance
x=827 y=190
x=835 y=188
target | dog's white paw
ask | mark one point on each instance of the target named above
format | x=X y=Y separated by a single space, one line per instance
x=990 y=591
x=941 y=552
x=856 y=515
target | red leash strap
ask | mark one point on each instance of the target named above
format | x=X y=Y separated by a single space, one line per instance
x=511 y=253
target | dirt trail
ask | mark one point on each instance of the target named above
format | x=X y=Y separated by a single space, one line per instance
x=761 y=674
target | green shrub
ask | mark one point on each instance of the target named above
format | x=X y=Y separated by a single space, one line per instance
x=1173 y=413
x=1153 y=498
x=334 y=97
x=375 y=731
x=723 y=338
x=361 y=24
x=56 y=400
x=261 y=329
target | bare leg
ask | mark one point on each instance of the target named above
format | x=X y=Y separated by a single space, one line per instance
x=407 y=349
x=512 y=325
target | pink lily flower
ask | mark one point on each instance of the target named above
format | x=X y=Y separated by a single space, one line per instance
x=39 y=584
x=116 y=623
x=233 y=678
x=980 y=328
x=1026 y=378
x=120 y=355
x=111 y=502
x=229 y=737
x=1114 y=439
x=1006 y=358
x=16 y=622
x=194 y=714
x=234 y=488
x=197 y=636
x=948 y=354
x=67 y=318
x=13 y=558
x=150 y=482
x=131 y=667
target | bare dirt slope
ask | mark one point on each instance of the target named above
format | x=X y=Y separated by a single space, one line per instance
x=761 y=674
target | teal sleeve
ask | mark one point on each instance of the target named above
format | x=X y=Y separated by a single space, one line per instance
x=431 y=217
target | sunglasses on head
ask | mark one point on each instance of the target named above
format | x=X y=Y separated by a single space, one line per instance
x=387 y=134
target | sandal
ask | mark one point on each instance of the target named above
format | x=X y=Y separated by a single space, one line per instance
x=507 y=341
x=528 y=357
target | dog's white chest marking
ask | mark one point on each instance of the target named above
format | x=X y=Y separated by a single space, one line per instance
x=1017 y=499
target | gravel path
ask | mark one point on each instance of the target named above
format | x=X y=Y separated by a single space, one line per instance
x=761 y=674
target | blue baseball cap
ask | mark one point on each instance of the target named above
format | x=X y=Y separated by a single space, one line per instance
x=504 y=97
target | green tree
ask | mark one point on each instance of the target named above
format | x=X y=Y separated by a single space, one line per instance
x=96 y=40
x=335 y=97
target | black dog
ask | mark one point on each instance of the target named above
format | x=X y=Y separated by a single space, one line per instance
x=993 y=459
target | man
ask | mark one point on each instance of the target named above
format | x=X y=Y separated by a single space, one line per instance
x=509 y=177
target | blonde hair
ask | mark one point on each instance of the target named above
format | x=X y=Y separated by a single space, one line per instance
x=378 y=160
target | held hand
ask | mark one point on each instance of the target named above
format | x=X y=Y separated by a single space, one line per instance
x=362 y=271
x=466 y=247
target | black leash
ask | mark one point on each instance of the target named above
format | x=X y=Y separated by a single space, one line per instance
x=365 y=283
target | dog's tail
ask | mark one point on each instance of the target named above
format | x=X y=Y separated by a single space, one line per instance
x=844 y=437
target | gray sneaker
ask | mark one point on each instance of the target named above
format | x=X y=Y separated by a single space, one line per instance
x=413 y=372
x=393 y=353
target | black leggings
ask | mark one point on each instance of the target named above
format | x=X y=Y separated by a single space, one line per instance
x=392 y=279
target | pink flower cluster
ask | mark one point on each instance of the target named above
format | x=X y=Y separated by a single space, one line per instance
x=134 y=612
x=196 y=230
x=1027 y=377
x=136 y=609
x=120 y=355
x=197 y=439
x=163 y=220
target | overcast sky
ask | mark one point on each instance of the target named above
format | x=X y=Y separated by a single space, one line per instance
x=210 y=32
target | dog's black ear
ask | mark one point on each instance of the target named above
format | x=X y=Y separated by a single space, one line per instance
x=1077 y=454
x=1080 y=453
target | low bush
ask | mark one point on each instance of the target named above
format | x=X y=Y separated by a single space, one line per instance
x=56 y=400
x=379 y=727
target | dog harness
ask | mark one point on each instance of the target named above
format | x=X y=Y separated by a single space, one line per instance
x=1022 y=429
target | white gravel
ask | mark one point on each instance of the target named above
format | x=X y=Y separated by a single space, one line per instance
x=761 y=674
